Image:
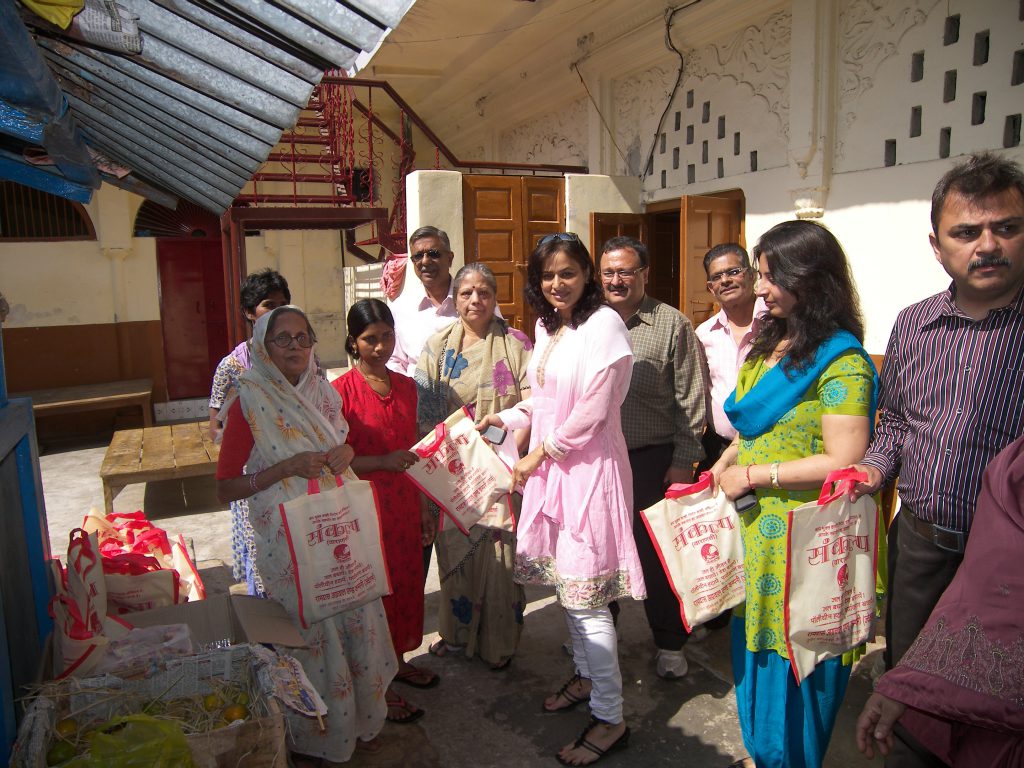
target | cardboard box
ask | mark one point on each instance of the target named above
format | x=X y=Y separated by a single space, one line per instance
x=215 y=624
x=231 y=618
x=259 y=742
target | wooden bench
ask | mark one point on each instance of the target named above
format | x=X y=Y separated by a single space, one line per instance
x=156 y=453
x=93 y=397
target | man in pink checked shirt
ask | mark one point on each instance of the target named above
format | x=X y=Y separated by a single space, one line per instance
x=726 y=337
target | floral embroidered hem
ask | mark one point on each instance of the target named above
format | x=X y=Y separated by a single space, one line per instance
x=574 y=594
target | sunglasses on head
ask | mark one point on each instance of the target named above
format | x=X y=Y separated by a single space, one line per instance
x=565 y=237
x=433 y=254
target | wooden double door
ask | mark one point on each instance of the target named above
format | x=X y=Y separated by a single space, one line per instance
x=504 y=218
x=506 y=215
x=678 y=234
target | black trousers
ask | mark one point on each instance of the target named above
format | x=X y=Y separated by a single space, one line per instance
x=661 y=606
x=919 y=573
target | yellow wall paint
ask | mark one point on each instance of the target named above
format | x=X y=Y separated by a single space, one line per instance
x=81 y=282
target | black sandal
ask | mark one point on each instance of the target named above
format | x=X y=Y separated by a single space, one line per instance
x=572 y=698
x=582 y=742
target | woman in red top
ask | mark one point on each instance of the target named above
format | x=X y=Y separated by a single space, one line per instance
x=380 y=408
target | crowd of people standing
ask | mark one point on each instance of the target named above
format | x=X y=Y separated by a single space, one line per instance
x=619 y=397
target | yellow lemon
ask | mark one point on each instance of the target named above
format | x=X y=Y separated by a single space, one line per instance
x=235 y=712
x=66 y=727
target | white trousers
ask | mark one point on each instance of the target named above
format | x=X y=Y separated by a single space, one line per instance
x=596 y=654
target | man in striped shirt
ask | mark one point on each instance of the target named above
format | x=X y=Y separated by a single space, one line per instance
x=951 y=395
x=662 y=421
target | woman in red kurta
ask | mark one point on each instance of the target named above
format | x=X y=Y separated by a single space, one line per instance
x=380 y=407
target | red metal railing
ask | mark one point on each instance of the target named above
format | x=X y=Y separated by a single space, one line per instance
x=344 y=135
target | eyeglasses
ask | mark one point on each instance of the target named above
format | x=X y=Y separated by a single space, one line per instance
x=719 y=276
x=565 y=237
x=622 y=274
x=433 y=254
x=284 y=340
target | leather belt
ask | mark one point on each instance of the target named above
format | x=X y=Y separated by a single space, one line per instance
x=943 y=538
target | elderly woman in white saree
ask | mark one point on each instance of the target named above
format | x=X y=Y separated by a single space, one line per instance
x=286 y=427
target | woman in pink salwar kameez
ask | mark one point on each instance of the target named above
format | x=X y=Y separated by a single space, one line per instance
x=575 y=528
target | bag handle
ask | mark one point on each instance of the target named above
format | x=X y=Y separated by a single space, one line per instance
x=676 y=490
x=845 y=480
x=426 y=451
x=313 y=485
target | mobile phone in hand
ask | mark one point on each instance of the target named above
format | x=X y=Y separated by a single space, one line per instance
x=746 y=502
x=494 y=434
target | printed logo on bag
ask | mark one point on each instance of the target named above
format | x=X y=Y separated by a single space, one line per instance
x=702 y=535
x=349 y=577
x=841 y=615
x=836 y=544
x=333 y=532
x=843 y=577
x=447 y=454
x=693 y=532
x=343 y=553
x=709 y=552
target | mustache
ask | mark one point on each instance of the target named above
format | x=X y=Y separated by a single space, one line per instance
x=988 y=261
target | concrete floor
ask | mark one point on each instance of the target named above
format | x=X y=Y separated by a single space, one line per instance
x=476 y=717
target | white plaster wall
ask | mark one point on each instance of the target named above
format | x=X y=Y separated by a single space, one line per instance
x=585 y=194
x=878 y=40
x=434 y=198
x=559 y=138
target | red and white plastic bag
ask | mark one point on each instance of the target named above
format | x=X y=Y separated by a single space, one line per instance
x=462 y=473
x=134 y=551
x=81 y=626
x=334 y=541
x=698 y=539
x=832 y=557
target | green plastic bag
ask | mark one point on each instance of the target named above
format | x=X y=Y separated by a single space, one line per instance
x=136 y=741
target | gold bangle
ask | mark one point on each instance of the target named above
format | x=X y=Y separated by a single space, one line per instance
x=773 y=475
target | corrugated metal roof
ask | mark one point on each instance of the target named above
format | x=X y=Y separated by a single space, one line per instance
x=203 y=104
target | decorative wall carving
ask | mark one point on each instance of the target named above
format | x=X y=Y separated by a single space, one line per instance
x=921 y=80
x=758 y=56
x=730 y=115
x=639 y=101
x=869 y=33
x=558 y=137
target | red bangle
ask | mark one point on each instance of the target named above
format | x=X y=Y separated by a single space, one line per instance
x=749 y=481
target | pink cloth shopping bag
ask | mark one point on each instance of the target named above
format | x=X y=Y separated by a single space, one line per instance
x=697 y=536
x=832 y=546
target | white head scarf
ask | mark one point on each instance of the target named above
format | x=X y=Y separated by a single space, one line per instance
x=287 y=419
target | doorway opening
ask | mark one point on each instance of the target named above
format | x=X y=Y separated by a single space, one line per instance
x=678 y=233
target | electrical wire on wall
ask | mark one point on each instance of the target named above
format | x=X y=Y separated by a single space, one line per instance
x=648 y=166
x=604 y=122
